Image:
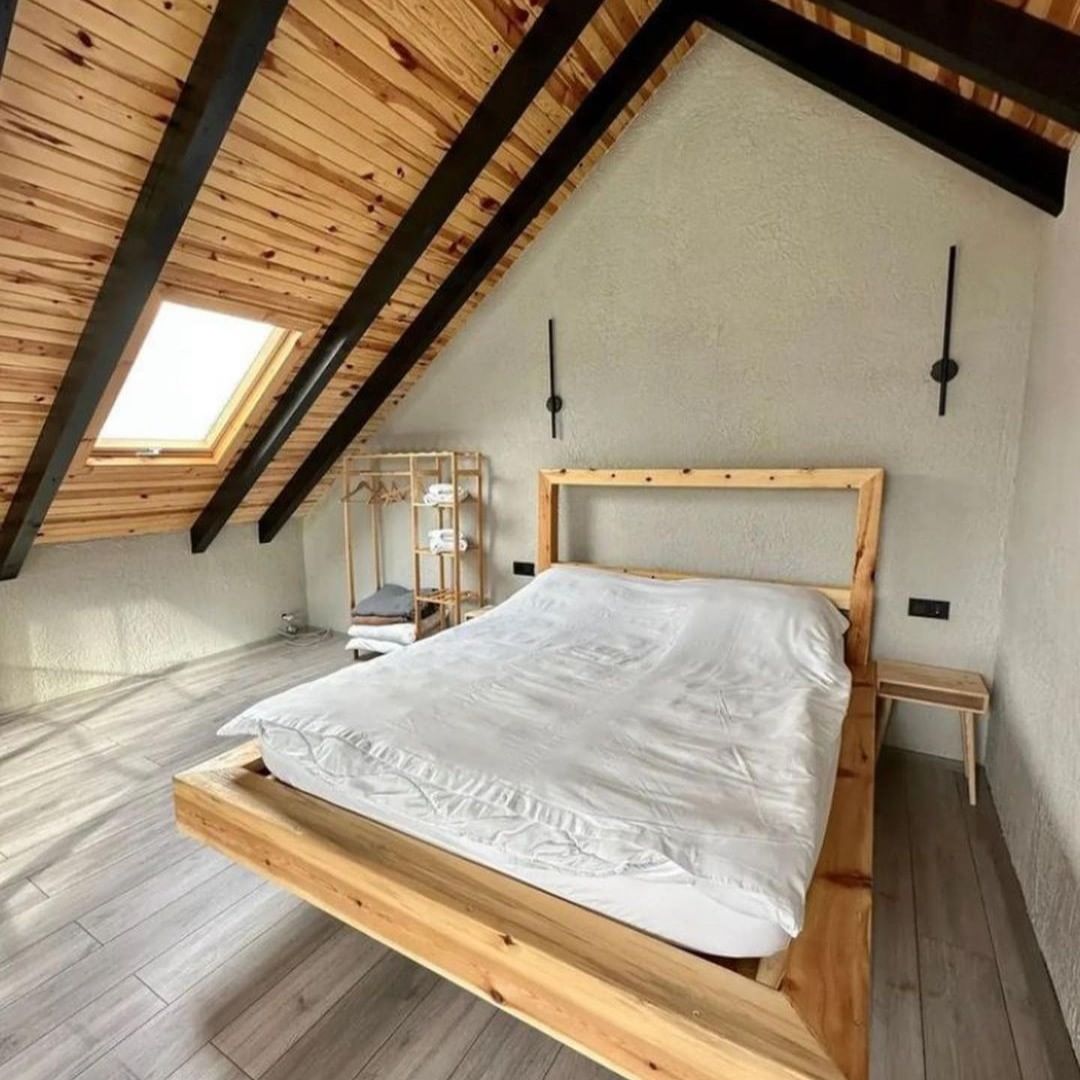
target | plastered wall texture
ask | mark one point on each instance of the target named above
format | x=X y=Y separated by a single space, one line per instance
x=1034 y=759
x=753 y=276
x=85 y=615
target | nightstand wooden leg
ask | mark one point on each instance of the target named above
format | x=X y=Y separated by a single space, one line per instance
x=884 y=715
x=967 y=723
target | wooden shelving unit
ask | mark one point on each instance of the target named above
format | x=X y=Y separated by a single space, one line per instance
x=453 y=580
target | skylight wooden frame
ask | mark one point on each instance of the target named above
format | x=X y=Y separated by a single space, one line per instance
x=637 y=1005
x=262 y=378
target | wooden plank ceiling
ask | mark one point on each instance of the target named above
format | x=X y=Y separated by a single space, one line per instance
x=352 y=108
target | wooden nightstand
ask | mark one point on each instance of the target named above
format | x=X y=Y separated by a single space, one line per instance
x=943 y=688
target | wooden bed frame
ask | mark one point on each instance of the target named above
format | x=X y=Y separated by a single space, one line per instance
x=638 y=1005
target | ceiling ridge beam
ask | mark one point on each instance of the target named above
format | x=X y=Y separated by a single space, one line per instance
x=640 y=58
x=999 y=46
x=977 y=138
x=515 y=87
x=224 y=65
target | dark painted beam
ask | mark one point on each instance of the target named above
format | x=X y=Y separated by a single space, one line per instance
x=995 y=148
x=223 y=67
x=512 y=92
x=638 y=60
x=1025 y=58
x=7 y=16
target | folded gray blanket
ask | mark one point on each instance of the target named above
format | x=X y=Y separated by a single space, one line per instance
x=390 y=601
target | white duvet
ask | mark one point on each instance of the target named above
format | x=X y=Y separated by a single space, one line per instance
x=599 y=726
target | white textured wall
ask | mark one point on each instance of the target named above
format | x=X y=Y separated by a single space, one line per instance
x=84 y=615
x=754 y=276
x=1035 y=743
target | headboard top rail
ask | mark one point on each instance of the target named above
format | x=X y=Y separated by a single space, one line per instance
x=856 y=597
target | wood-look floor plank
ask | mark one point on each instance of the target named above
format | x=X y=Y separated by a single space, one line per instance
x=353 y=1030
x=965 y=1026
x=506 y=1047
x=29 y=1017
x=896 y=1040
x=144 y=838
x=946 y=885
x=1039 y=1032
x=256 y=1039
x=97 y=843
x=69 y=1048
x=208 y=1064
x=569 y=1065
x=182 y=1027
x=41 y=961
x=189 y=961
x=119 y=913
x=433 y=1039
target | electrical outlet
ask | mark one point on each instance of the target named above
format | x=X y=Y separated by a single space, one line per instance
x=524 y=569
x=928 y=609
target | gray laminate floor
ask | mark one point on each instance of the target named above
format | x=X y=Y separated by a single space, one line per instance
x=129 y=952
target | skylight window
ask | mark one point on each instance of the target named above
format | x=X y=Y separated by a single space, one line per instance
x=190 y=365
x=195 y=379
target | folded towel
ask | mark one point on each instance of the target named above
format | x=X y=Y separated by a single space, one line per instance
x=441 y=547
x=441 y=534
x=398 y=634
x=362 y=644
x=443 y=494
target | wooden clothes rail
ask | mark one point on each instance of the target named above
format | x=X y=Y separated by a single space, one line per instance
x=374 y=479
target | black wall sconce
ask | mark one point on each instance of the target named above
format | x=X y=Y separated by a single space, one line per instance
x=554 y=402
x=946 y=369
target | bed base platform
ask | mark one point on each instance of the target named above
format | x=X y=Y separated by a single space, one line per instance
x=639 y=1006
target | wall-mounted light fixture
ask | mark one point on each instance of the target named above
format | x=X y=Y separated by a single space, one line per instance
x=945 y=370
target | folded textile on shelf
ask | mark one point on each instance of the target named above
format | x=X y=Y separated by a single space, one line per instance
x=389 y=601
x=376 y=645
x=441 y=541
x=380 y=620
x=396 y=634
x=445 y=547
x=443 y=494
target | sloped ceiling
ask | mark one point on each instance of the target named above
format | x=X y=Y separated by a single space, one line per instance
x=352 y=108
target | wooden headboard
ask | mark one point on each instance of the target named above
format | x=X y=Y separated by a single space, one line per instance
x=856 y=597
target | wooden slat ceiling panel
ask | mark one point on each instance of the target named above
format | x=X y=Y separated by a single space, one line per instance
x=353 y=107
x=355 y=104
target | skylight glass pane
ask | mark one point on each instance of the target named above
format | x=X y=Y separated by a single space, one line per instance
x=191 y=363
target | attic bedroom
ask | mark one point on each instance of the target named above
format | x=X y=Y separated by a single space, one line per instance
x=539 y=540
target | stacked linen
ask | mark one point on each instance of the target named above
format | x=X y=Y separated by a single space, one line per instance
x=443 y=494
x=383 y=621
x=441 y=541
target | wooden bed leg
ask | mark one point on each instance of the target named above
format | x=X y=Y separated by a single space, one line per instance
x=772 y=969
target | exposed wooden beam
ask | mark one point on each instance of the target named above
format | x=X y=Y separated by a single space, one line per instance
x=513 y=90
x=644 y=53
x=7 y=16
x=1029 y=60
x=223 y=67
x=980 y=140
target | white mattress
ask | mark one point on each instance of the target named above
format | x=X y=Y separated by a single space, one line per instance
x=661 y=752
